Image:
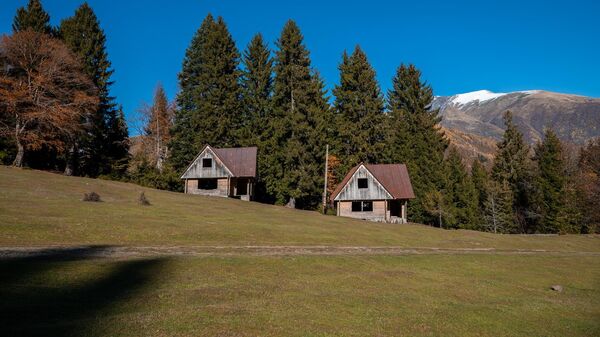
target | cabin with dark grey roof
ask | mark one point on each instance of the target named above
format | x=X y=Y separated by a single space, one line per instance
x=376 y=192
x=223 y=172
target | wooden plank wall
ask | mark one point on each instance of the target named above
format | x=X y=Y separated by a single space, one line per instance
x=378 y=214
x=220 y=191
x=196 y=170
x=352 y=192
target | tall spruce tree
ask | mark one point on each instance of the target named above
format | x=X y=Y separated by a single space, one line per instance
x=588 y=186
x=117 y=144
x=414 y=136
x=498 y=208
x=296 y=149
x=257 y=90
x=359 y=108
x=460 y=193
x=209 y=100
x=105 y=146
x=550 y=184
x=480 y=178
x=512 y=165
x=32 y=17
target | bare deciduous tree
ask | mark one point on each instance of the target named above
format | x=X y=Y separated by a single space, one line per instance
x=157 y=120
x=44 y=94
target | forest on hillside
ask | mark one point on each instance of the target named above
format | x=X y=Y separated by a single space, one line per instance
x=57 y=113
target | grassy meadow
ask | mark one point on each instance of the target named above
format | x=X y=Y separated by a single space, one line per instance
x=70 y=291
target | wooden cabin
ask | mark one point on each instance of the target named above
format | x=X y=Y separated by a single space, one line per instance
x=374 y=192
x=225 y=172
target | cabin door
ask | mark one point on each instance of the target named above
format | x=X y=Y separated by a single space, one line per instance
x=394 y=207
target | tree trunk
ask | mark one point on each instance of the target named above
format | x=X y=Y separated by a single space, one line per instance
x=18 y=162
x=69 y=165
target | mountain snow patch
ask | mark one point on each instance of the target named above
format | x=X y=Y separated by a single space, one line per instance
x=480 y=96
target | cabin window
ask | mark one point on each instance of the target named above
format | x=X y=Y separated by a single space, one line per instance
x=207 y=184
x=362 y=206
x=206 y=162
x=363 y=183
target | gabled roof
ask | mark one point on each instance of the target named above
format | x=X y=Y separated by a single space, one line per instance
x=393 y=177
x=239 y=161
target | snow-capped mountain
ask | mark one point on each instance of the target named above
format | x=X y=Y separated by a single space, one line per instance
x=478 y=114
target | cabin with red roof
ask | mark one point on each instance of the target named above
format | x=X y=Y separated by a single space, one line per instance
x=376 y=192
x=223 y=172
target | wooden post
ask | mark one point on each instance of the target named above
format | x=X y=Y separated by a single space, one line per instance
x=325 y=184
x=185 y=186
x=228 y=187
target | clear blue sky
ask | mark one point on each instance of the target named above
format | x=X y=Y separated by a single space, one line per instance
x=459 y=45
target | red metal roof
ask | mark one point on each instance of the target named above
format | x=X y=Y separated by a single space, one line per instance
x=393 y=177
x=241 y=161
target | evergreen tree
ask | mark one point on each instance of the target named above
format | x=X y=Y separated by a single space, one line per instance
x=257 y=89
x=295 y=154
x=550 y=183
x=117 y=144
x=480 y=178
x=105 y=146
x=512 y=165
x=588 y=186
x=209 y=100
x=414 y=136
x=359 y=108
x=498 y=208
x=32 y=17
x=460 y=193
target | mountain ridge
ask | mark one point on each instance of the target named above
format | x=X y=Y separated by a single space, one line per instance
x=479 y=114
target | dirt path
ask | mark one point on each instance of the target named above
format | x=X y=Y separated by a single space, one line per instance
x=146 y=251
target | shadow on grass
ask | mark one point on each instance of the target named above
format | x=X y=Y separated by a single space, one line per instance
x=30 y=307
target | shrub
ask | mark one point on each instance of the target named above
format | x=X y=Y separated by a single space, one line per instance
x=143 y=200
x=92 y=196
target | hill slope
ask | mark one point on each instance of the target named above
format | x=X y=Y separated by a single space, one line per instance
x=180 y=287
x=41 y=208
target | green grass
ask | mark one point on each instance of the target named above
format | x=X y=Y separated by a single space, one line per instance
x=61 y=293
x=40 y=208
x=430 y=295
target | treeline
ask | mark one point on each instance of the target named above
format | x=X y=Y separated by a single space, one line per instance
x=277 y=101
x=57 y=112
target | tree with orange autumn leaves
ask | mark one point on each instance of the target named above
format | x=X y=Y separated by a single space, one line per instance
x=44 y=93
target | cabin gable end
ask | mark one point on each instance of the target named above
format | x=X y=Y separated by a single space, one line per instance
x=363 y=186
x=207 y=165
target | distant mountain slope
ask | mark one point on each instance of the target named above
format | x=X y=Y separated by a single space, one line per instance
x=575 y=118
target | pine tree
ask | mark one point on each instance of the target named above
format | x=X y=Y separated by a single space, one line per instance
x=209 y=100
x=498 y=208
x=588 y=186
x=512 y=165
x=550 y=183
x=414 y=136
x=257 y=90
x=460 y=193
x=480 y=178
x=296 y=150
x=359 y=108
x=32 y=17
x=117 y=144
x=105 y=146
